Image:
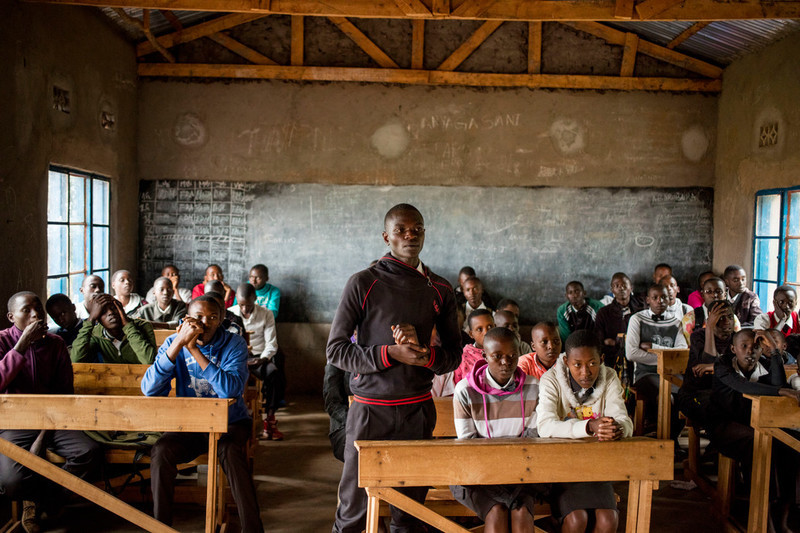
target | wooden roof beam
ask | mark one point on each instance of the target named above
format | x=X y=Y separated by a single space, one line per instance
x=240 y=49
x=364 y=42
x=195 y=32
x=470 y=45
x=685 y=34
x=544 y=10
x=413 y=8
x=423 y=77
x=144 y=27
x=172 y=18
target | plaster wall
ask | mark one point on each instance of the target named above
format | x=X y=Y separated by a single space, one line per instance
x=75 y=49
x=759 y=89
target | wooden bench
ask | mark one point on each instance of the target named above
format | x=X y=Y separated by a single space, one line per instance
x=769 y=414
x=384 y=465
x=122 y=413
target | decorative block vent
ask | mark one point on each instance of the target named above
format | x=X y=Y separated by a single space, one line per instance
x=768 y=135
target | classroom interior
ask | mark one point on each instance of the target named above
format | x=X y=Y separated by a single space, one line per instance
x=336 y=133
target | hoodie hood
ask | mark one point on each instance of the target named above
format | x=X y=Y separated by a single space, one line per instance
x=478 y=381
x=598 y=389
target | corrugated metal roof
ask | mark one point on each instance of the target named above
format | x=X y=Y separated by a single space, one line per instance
x=720 y=42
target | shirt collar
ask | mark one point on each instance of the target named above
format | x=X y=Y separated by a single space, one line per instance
x=420 y=268
x=494 y=384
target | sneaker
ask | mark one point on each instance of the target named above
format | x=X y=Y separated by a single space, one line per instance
x=29 y=521
x=273 y=428
x=267 y=433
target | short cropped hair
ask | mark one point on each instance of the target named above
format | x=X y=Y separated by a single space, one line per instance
x=208 y=297
x=500 y=335
x=662 y=265
x=400 y=208
x=505 y=302
x=213 y=283
x=58 y=298
x=655 y=287
x=749 y=332
x=474 y=278
x=582 y=338
x=119 y=273
x=475 y=314
x=246 y=289
x=730 y=269
x=622 y=275
x=261 y=267
x=162 y=278
x=12 y=302
x=575 y=282
x=713 y=280
x=784 y=289
x=705 y=273
x=468 y=270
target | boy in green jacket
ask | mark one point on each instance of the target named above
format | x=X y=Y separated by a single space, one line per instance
x=110 y=336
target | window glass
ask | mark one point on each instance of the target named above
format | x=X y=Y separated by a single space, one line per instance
x=57 y=249
x=57 y=200
x=766 y=254
x=792 y=263
x=764 y=291
x=768 y=215
x=99 y=248
x=77 y=199
x=100 y=199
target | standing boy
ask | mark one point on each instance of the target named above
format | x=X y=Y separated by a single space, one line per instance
x=784 y=317
x=391 y=382
x=33 y=361
x=165 y=312
x=205 y=361
x=110 y=336
x=578 y=312
x=746 y=305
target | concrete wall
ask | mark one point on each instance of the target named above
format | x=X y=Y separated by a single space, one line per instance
x=75 y=49
x=758 y=89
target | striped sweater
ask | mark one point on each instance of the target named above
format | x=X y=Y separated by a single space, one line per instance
x=484 y=408
x=662 y=331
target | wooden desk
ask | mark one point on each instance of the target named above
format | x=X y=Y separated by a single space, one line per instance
x=120 y=413
x=768 y=415
x=386 y=464
x=671 y=365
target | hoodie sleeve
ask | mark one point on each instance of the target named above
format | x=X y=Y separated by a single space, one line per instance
x=447 y=357
x=549 y=422
x=156 y=381
x=350 y=356
x=229 y=376
x=462 y=412
x=615 y=405
x=632 y=341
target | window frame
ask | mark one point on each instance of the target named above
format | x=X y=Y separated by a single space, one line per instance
x=88 y=223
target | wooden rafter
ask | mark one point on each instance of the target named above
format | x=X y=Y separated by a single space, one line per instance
x=623 y=9
x=195 y=32
x=172 y=18
x=413 y=8
x=629 y=54
x=472 y=8
x=534 y=47
x=243 y=50
x=685 y=34
x=652 y=8
x=417 y=44
x=298 y=38
x=144 y=27
x=544 y=10
x=662 y=53
x=364 y=42
x=470 y=45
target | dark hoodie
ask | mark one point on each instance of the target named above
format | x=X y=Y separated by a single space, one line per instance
x=388 y=293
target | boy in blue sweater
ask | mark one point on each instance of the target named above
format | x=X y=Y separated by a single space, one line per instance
x=206 y=361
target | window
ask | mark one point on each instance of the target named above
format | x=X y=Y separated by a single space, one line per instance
x=77 y=230
x=776 y=245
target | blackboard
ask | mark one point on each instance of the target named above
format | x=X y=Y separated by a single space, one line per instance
x=525 y=243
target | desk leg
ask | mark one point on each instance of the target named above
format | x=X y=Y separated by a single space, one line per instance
x=640 y=499
x=759 y=489
x=373 y=512
x=664 y=408
x=633 y=506
x=211 y=489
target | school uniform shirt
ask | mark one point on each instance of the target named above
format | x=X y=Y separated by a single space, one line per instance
x=95 y=345
x=788 y=325
x=68 y=335
x=44 y=368
x=558 y=399
x=571 y=319
x=484 y=408
x=678 y=308
x=611 y=320
x=730 y=385
x=224 y=377
x=172 y=315
x=663 y=331
x=81 y=311
x=531 y=365
x=699 y=355
x=392 y=292
x=746 y=306
x=186 y=295
x=261 y=325
x=134 y=303
x=696 y=319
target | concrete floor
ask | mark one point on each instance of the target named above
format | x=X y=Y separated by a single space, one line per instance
x=296 y=480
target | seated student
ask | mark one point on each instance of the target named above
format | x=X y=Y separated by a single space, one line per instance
x=62 y=311
x=205 y=361
x=473 y=294
x=33 y=361
x=110 y=336
x=581 y=397
x=165 y=312
x=214 y=272
x=612 y=319
x=122 y=283
x=259 y=322
x=674 y=304
x=479 y=322
x=707 y=345
x=784 y=317
x=713 y=291
x=746 y=305
x=174 y=275
x=651 y=328
x=578 y=312
x=660 y=271
x=695 y=299
x=507 y=304
x=546 y=348
x=754 y=367
x=91 y=285
x=230 y=321
x=267 y=295
x=497 y=400
x=510 y=321
x=463 y=275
